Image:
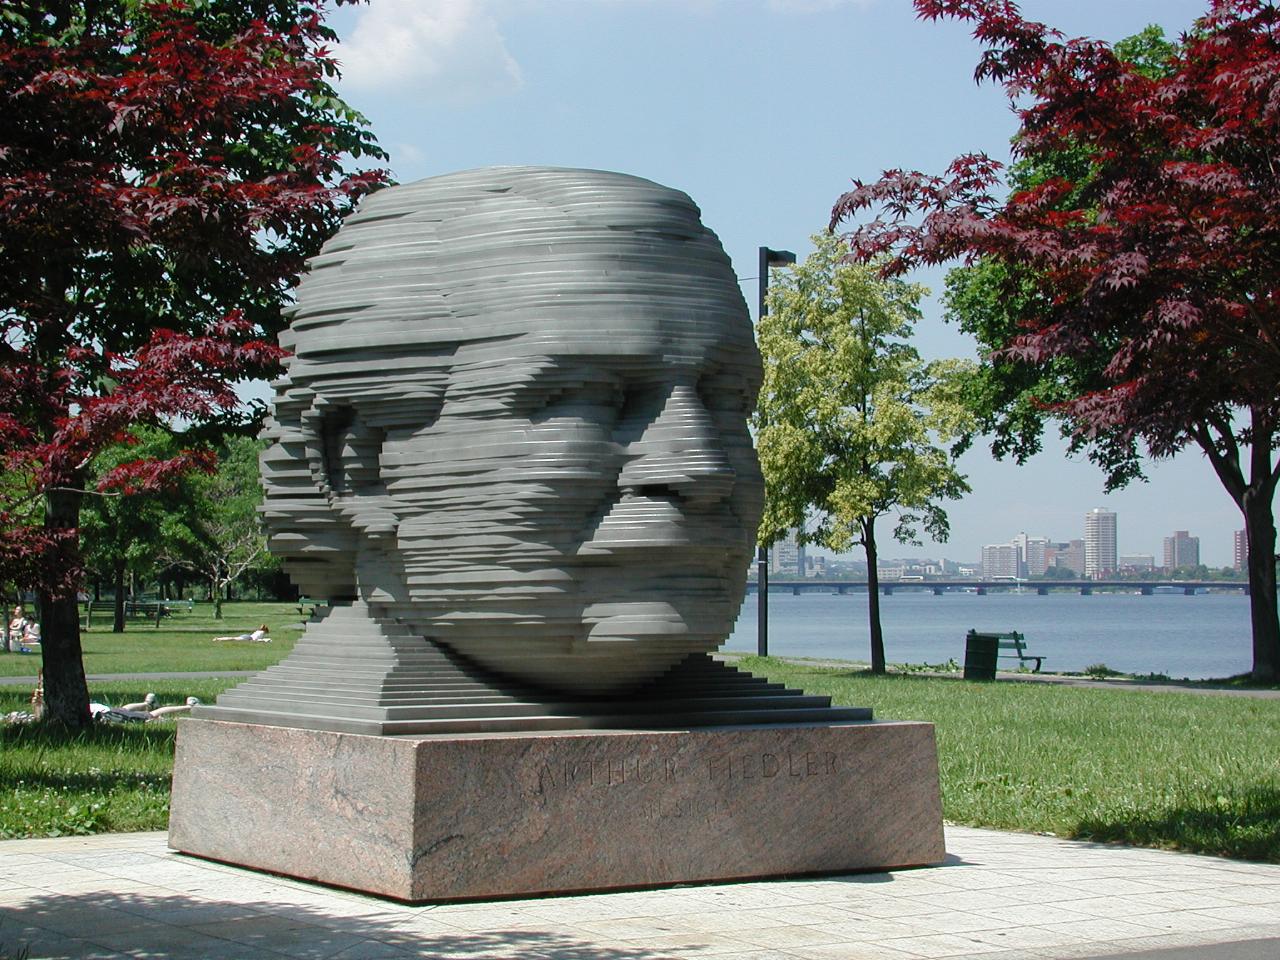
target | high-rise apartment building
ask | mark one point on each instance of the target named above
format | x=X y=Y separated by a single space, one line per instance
x=1240 y=549
x=1032 y=554
x=815 y=566
x=1181 y=550
x=787 y=556
x=1099 y=543
x=1073 y=557
x=999 y=560
x=1067 y=555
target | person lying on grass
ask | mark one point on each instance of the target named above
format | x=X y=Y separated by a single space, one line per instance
x=258 y=636
x=141 y=712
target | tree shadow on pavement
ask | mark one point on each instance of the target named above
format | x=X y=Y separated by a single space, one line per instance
x=175 y=926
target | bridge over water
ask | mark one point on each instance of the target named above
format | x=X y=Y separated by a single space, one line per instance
x=1041 y=587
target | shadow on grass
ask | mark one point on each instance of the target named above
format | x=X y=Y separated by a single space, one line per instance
x=91 y=782
x=99 y=751
x=1244 y=826
x=864 y=673
x=175 y=926
x=1240 y=681
x=131 y=737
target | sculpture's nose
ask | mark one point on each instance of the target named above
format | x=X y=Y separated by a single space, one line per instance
x=679 y=453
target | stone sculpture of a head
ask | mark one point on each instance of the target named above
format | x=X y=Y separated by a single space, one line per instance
x=514 y=418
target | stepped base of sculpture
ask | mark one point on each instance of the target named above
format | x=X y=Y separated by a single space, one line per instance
x=462 y=816
x=356 y=672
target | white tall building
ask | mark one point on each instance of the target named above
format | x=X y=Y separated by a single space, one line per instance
x=1099 y=543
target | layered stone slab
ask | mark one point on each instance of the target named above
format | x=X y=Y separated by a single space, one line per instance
x=473 y=815
x=354 y=672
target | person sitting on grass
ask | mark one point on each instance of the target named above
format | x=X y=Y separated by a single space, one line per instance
x=258 y=636
x=23 y=631
x=18 y=625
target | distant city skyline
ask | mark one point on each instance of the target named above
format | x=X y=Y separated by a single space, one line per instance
x=1171 y=548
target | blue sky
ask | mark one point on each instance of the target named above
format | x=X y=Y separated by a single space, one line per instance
x=762 y=111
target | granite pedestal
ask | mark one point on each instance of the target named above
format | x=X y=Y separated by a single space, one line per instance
x=457 y=816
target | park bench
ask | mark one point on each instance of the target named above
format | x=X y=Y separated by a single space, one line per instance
x=148 y=606
x=307 y=606
x=144 y=606
x=1011 y=645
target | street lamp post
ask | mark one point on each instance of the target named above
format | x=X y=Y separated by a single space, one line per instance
x=768 y=258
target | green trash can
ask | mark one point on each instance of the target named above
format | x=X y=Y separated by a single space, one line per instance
x=980 y=652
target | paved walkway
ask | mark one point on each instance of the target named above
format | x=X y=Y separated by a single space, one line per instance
x=1000 y=895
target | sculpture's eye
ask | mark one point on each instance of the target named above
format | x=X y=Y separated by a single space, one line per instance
x=596 y=401
x=643 y=402
x=723 y=392
x=352 y=451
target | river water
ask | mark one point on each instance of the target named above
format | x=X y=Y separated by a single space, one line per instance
x=1201 y=636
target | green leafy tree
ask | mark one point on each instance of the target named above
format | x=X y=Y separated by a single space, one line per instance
x=851 y=420
x=121 y=533
x=1015 y=400
x=1133 y=294
x=221 y=535
x=166 y=167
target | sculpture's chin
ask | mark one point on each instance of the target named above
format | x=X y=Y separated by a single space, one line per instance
x=597 y=667
x=586 y=629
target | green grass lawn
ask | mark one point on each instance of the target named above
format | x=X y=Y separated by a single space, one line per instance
x=1174 y=770
x=183 y=641
x=112 y=778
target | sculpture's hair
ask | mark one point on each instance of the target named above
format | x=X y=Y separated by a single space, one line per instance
x=464 y=263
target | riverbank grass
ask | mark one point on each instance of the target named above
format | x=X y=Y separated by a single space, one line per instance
x=1180 y=771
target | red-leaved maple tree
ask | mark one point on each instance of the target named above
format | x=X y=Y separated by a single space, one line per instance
x=165 y=169
x=1156 y=271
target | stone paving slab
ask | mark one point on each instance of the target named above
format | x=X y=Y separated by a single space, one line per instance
x=1000 y=895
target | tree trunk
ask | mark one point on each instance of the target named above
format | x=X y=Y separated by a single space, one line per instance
x=873 y=595
x=66 y=695
x=215 y=592
x=117 y=625
x=1260 y=530
x=1255 y=496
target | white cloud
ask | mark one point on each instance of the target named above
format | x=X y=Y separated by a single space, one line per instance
x=448 y=48
x=408 y=153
